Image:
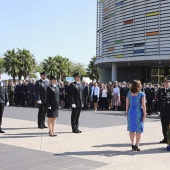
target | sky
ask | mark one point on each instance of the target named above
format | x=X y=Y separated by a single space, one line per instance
x=49 y=28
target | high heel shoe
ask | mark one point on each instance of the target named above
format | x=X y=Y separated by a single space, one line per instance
x=136 y=148
x=51 y=134
x=133 y=147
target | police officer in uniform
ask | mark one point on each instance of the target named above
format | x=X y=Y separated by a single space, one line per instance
x=76 y=102
x=3 y=101
x=52 y=104
x=164 y=97
x=150 y=96
x=41 y=91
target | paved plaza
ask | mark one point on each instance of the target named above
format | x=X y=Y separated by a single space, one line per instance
x=104 y=143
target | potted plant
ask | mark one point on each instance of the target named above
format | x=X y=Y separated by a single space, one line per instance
x=168 y=138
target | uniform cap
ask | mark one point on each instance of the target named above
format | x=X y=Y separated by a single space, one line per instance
x=53 y=78
x=43 y=73
x=77 y=74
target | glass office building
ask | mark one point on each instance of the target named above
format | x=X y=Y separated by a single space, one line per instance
x=133 y=40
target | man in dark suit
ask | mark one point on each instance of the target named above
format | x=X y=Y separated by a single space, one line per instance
x=164 y=98
x=85 y=95
x=76 y=102
x=3 y=100
x=41 y=91
x=150 y=96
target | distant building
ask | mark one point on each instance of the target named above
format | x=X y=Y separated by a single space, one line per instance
x=133 y=40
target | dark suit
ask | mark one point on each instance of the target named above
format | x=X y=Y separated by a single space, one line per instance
x=3 y=101
x=41 y=92
x=75 y=98
x=164 y=98
x=85 y=97
x=150 y=96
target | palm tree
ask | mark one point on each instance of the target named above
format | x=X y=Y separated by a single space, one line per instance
x=50 y=66
x=11 y=63
x=92 y=71
x=27 y=63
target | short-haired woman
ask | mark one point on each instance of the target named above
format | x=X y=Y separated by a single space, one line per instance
x=52 y=104
x=95 y=95
x=136 y=111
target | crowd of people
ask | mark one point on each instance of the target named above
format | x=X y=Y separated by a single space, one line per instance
x=97 y=96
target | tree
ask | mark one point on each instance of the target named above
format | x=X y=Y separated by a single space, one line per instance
x=27 y=63
x=78 y=67
x=20 y=63
x=1 y=64
x=11 y=63
x=92 y=71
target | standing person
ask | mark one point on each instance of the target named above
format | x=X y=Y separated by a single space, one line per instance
x=3 y=101
x=150 y=96
x=41 y=91
x=136 y=111
x=85 y=95
x=95 y=91
x=104 y=100
x=164 y=98
x=116 y=96
x=76 y=102
x=62 y=94
x=52 y=104
x=11 y=92
x=67 y=94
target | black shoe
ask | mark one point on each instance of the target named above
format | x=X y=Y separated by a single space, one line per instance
x=163 y=141
x=79 y=131
x=75 y=131
x=44 y=126
x=133 y=147
x=137 y=148
x=41 y=127
x=1 y=131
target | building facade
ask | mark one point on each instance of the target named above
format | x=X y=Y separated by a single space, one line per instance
x=133 y=40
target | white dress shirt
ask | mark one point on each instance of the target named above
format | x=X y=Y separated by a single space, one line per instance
x=104 y=93
x=116 y=90
x=95 y=91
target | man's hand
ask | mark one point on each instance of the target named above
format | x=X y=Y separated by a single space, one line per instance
x=7 y=104
x=39 y=101
x=49 y=107
x=73 y=106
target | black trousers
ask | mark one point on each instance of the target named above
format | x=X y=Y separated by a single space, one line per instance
x=42 y=113
x=75 y=117
x=165 y=120
x=85 y=103
x=2 y=105
x=150 y=106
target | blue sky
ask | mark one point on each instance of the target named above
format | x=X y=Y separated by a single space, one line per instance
x=49 y=28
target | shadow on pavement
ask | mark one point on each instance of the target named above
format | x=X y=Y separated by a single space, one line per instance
x=124 y=145
x=110 y=153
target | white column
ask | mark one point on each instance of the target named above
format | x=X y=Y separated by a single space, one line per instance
x=114 y=72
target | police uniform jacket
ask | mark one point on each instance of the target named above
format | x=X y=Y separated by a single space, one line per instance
x=41 y=90
x=150 y=94
x=3 y=95
x=164 y=97
x=52 y=99
x=75 y=94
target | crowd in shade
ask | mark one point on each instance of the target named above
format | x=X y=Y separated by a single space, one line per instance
x=97 y=96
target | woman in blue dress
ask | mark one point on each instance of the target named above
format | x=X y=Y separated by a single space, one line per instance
x=136 y=113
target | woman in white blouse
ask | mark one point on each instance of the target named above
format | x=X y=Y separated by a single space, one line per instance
x=116 y=96
x=95 y=95
x=104 y=102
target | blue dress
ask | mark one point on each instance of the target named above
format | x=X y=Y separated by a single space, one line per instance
x=135 y=113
